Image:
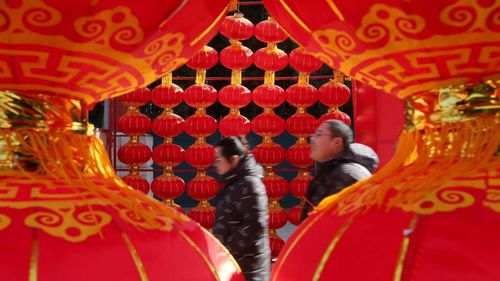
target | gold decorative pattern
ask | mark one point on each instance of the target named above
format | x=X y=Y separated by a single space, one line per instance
x=330 y=248
x=4 y=221
x=135 y=256
x=33 y=272
x=398 y=272
x=202 y=255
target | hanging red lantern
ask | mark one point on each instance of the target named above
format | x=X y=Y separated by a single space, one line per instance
x=167 y=186
x=200 y=125
x=200 y=95
x=134 y=123
x=200 y=155
x=202 y=187
x=337 y=115
x=301 y=95
x=268 y=124
x=137 y=182
x=301 y=124
x=295 y=214
x=167 y=95
x=136 y=98
x=300 y=184
x=400 y=47
x=276 y=186
x=334 y=94
x=303 y=61
x=236 y=27
x=268 y=96
x=168 y=154
x=277 y=217
x=270 y=59
x=204 y=215
x=134 y=153
x=276 y=243
x=234 y=125
x=205 y=59
x=269 y=31
x=236 y=56
x=269 y=154
x=168 y=125
x=235 y=96
x=299 y=155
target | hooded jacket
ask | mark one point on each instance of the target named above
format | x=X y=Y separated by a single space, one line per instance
x=242 y=219
x=351 y=165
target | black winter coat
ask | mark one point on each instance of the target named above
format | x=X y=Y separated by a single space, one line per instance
x=353 y=164
x=241 y=219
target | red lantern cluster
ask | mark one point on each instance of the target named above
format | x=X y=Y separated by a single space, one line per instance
x=301 y=124
x=268 y=124
x=237 y=58
x=135 y=124
x=334 y=94
x=201 y=125
x=168 y=186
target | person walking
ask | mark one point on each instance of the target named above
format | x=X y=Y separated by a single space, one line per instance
x=241 y=216
x=342 y=162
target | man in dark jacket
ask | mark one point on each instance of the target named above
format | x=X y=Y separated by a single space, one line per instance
x=241 y=211
x=342 y=163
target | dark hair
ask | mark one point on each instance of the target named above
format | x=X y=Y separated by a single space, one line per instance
x=340 y=129
x=231 y=146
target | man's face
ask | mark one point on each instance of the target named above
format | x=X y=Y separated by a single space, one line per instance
x=324 y=145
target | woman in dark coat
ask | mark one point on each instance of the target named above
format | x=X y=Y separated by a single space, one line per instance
x=241 y=211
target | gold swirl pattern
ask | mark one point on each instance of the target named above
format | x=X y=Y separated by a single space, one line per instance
x=108 y=27
x=447 y=198
x=43 y=16
x=64 y=224
x=71 y=213
x=4 y=221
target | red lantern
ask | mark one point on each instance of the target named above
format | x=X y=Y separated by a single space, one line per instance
x=236 y=27
x=301 y=96
x=167 y=95
x=270 y=59
x=200 y=155
x=236 y=57
x=295 y=215
x=136 y=98
x=202 y=187
x=277 y=217
x=204 y=59
x=168 y=154
x=268 y=124
x=134 y=153
x=168 y=125
x=300 y=184
x=134 y=123
x=235 y=96
x=268 y=96
x=276 y=243
x=200 y=95
x=137 y=182
x=400 y=47
x=167 y=187
x=269 y=154
x=276 y=186
x=47 y=218
x=200 y=125
x=234 y=125
x=301 y=124
x=299 y=155
x=103 y=49
x=334 y=94
x=337 y=115
x=204 y=215
x=269 y=31
x=303 y=61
